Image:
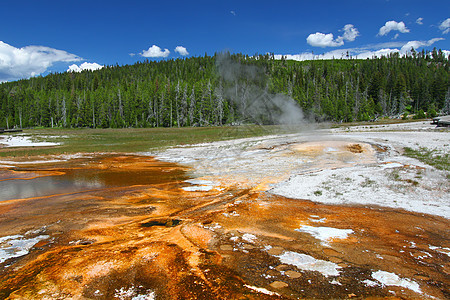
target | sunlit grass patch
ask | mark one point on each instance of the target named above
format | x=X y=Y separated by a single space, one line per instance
x=132 y=140
x=435 y=158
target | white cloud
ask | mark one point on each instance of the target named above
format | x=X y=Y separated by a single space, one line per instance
x=445 y=26
x=385 y=45
x=181 y=50
x=340 y=54
x=369 y=51
x=350 y=33
x=375 y=53
x=233 y=13
x=25 y=62
x=84 y=66
x=323 y=40
x=393 y=25
x=419 y=21
x=319 y=39
x=155 y=51
x=418 y=44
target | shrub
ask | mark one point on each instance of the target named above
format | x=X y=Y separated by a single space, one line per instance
x=420 y=115
x=431 y=113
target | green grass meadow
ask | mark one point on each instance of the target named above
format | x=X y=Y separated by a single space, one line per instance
x=131 y=140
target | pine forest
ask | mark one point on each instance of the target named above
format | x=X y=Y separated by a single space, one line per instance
x=231 y=89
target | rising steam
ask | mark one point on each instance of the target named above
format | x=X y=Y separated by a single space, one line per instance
x=247 y=87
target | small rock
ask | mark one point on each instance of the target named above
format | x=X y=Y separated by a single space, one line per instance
x=281 y=268
x=226 y=247
x=279 y=284
x=293 y=274
x=275 y=251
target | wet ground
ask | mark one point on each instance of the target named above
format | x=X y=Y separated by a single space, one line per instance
x=123 y=227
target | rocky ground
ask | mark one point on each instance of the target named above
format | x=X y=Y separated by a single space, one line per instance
x=337 y=213
x=362 y=165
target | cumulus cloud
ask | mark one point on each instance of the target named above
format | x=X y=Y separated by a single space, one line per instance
x=319 y=39
x=369 y=51
x=445 y=26
x=181 y=50
x=84 y=66
x=25 y=62
x=350 y=33
x=418 y=44
x=393 y=26
x=155 y=51
x=419 y=21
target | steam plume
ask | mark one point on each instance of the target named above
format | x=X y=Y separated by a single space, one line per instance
x=247 y=87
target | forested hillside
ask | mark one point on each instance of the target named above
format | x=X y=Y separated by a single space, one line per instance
x=224 y=88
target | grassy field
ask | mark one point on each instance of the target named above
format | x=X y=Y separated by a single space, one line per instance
x=434 y=158
x=133 y=140
x=130 y=140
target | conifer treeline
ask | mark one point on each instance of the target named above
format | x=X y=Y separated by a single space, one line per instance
x=192 y=92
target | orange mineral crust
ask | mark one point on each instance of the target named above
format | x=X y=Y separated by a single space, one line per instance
x=131 y=227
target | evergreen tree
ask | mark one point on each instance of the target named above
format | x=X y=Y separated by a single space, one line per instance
x=446 y=107
x=193 y=91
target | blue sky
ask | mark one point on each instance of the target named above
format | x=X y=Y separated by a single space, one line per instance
x=38 y=37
